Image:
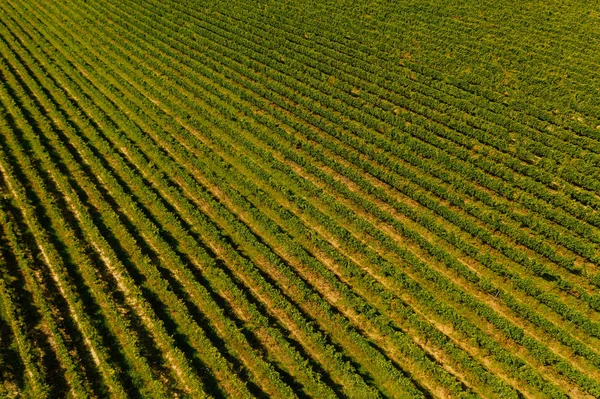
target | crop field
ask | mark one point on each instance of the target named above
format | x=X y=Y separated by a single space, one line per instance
x=299 y=199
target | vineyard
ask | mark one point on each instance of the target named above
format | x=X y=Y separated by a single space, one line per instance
x=299 y=199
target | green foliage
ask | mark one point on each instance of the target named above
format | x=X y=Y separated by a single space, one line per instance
x=316 y=199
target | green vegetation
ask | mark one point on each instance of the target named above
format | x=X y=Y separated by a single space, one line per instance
x=278 y=198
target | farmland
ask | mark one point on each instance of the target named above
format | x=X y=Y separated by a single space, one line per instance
x=299 y=199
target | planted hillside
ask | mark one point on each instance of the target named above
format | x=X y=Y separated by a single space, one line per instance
x=299 y=199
